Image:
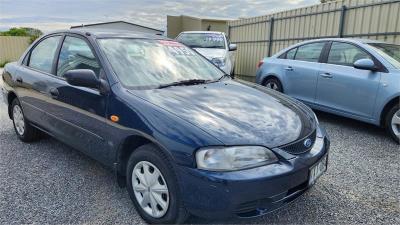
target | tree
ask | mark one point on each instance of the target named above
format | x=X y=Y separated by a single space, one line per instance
x=23 y=31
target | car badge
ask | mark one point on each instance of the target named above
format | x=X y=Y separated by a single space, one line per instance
x=307 y=143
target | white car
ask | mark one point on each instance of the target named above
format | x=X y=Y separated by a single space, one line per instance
x=215 y=46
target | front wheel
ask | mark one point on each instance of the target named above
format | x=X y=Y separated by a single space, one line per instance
x=274 y=84
x=393 y=123
x=153 y=187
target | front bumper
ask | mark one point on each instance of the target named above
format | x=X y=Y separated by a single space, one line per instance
x=251 y=192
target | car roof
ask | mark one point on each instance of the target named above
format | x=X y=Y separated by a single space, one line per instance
x=111 y=33
x=353 y=40
x=202 y=32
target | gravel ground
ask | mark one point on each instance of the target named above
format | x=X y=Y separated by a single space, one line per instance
x=48 y=182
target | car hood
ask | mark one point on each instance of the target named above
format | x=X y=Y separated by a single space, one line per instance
x=236 y=113
x=211 y=53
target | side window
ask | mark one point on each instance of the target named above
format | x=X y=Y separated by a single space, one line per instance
x=76 y=54
x=291 y=53
x=310 y=52
x=42 y=56
x=345 y=54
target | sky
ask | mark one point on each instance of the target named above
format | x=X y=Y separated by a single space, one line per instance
x=50 y=15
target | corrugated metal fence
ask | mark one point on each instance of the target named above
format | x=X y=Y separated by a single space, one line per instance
x=265 y=35
x=12 y=47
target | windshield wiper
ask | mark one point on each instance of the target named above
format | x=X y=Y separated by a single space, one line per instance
x=184 y=82
x=223 y=76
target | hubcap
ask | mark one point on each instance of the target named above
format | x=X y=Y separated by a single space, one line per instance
x=18 y=118
x=272 y=85
x=150 y=188
x=396 y=123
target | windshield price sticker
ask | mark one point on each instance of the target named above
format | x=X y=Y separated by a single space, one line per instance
x=214 y=38
x=181 y=50
x=170 y=43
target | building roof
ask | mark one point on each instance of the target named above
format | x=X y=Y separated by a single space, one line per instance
x=111 y=22
x=208 y=18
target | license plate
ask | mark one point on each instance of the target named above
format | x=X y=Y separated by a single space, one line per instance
x=317 y=170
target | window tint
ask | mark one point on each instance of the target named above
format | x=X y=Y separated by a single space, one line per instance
x=310 y=52
x=42 y=55
x=345 y=54
x=76 y=54
x=290 y=54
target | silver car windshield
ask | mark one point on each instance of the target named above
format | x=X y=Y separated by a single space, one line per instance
x=389 y=51
x=202 y=40
x=153 y=63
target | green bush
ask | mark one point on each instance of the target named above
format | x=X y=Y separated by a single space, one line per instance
x=3 y=64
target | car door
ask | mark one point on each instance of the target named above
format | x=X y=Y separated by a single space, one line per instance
x=32 y=78
x=77 y=114
x=343 y=88
x=301 y=71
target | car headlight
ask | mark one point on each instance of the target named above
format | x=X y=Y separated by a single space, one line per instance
x=234 y=158
x=220 y=62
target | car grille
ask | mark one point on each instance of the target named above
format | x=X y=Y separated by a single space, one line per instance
x=298 y=146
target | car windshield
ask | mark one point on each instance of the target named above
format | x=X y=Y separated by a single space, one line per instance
x=389 y=51
x=202 y=40
x=154 y=63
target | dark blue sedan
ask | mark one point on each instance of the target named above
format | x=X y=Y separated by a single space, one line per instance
x=181 y=135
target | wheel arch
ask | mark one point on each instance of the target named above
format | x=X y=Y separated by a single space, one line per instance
x=272 y=75
x=127 y=147
x=10 y=98
x=386 y=108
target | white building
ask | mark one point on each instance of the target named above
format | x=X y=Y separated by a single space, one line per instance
x=121 y=25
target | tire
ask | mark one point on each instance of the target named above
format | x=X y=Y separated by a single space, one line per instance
x=24 y=130
x=148 y=156
x=392 y=123
x=273 y=83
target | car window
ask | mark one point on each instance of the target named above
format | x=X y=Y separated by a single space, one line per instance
x=346 y=54
x=310 y=52
x=76 y=54
x=143 y=63
x=291 y=53
x=42 y=56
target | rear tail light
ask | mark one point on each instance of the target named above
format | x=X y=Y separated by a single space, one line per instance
x=259 y=64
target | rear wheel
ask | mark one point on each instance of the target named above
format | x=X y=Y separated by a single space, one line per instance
x=24 y=131
x=393 y=123
x=153 y=187
x=274 y=84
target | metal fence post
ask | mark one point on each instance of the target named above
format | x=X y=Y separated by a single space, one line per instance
x=271 y=33
x=229 y=31
x=341 y=21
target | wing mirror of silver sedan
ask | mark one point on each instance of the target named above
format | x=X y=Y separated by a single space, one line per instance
x=232 y=47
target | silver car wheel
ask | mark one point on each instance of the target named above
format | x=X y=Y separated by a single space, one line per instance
x=19 y=121
x=272 y=85
x=150 y=189
x=396 y=123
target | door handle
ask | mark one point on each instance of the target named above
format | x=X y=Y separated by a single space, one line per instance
x=19 y=80
x=289 y=68
x=326 y=75
x=54 y=93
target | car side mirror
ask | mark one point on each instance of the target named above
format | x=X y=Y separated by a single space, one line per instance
x=82 y=78
x=232 y=47
x=365 y=64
